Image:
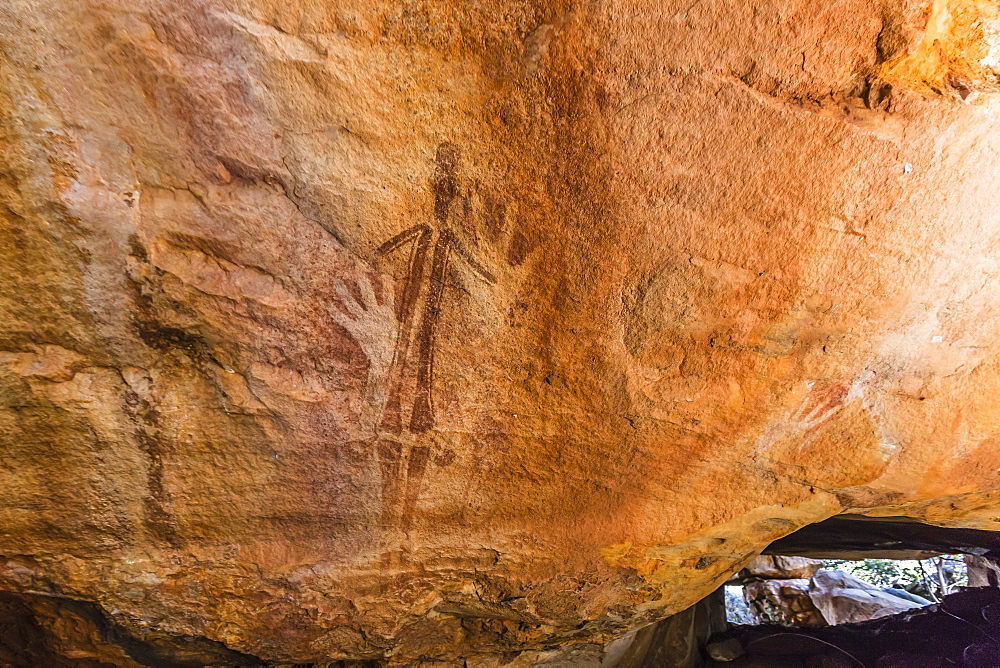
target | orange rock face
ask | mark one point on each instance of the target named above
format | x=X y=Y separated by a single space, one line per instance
x=445 y=330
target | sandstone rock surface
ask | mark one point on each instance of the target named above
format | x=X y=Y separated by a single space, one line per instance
x=778 y=567
x=983 y=571
x=844 y=599
x=441 y=330
x=785 y=602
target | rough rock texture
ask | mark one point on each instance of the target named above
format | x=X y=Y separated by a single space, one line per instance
x=842 y=598
x=53 y=631
x=777 y=567
x=784 y=602
x=983 y=571
x=441 y=329
x=776 y=596
x=680 y=641
x=776 y=590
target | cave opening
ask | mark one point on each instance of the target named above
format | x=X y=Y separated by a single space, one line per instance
x=862 y=591
x=798 y=591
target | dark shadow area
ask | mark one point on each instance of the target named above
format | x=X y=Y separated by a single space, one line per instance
x=963 y=629
x=960 y=631
x=858 y=537
x=39 y=630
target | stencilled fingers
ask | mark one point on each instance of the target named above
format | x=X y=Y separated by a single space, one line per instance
x=817 y=414
x=371 y=322
x=350 y=311
x=820 y=405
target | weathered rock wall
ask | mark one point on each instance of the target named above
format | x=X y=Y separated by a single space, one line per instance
x=444 y=329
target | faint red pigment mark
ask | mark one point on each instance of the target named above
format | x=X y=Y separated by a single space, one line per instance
x=819 y=405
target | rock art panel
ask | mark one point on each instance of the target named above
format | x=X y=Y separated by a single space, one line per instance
x=461 y=332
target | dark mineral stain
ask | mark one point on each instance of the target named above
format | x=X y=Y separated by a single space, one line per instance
x=444 y=458
x=145 y=323
x=520 y=247
x=205 y=245
x=159 y=521
x=494 y=217
x=445 y=182
x=138 y=250
x=164 y=338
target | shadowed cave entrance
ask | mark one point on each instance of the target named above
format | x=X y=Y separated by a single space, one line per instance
x=859 y=537
x=963 y=629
